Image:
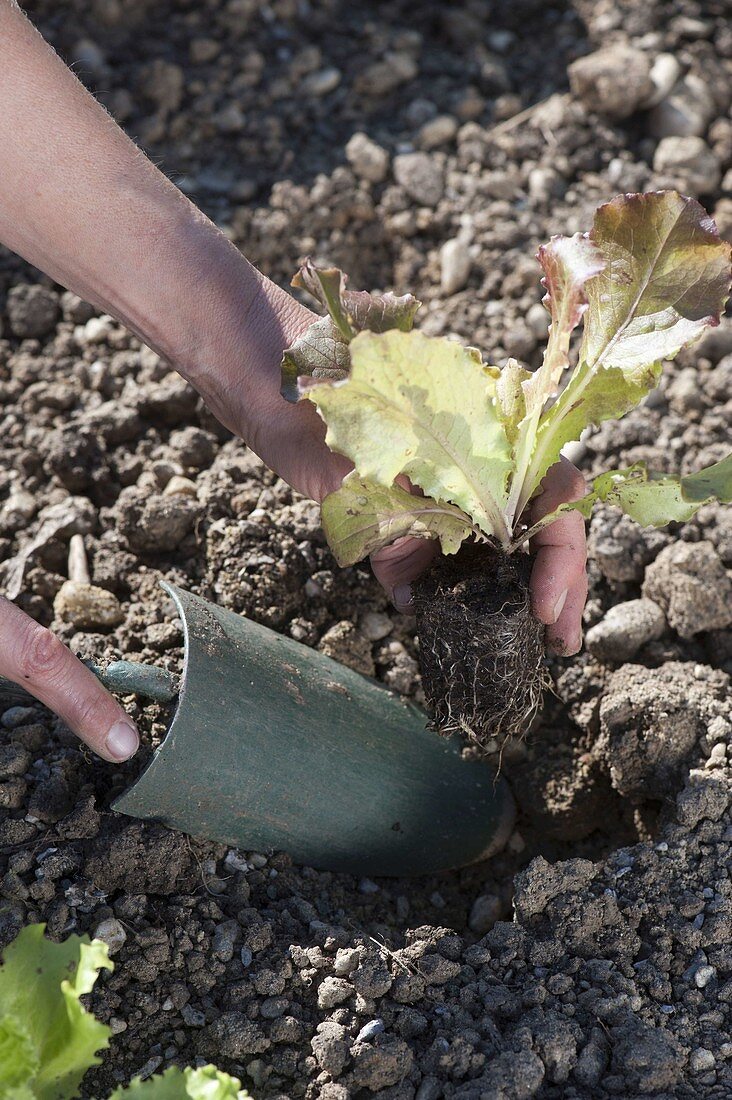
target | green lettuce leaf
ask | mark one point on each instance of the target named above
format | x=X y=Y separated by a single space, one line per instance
x=666 y=278
x=47 y=1038
x=206 y=1083
x=322 y=351
x=362 y=516
x=652 y=499
x=424 y=407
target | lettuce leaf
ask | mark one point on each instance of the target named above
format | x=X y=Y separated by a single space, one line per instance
x=652 y=499
x=47 y=1038
x=424 y=407
x=206 y=1083
x=666 y=278
x=322 y=351
x=362 y=516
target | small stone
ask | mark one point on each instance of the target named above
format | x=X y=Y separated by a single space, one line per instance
x=455 y=264
x=375 y=625
x=370 y=1030
x=224 y=939
x=437 y=131
x=665 y=71
x=346 y=961
x=368 y=160
x=701 y=1060
x=112 y=933
x=96 y=330
x=32 y=310
x=87 y=606
x=321 y=83
x=421 y=176
x=485 y=911
x=16 y=716
x=181 y=487
x=385 y=76
x=192 y=1017
x=685 y=112
x=704 y=975
x=614 y=81
x=689 y=164
x=333 y=991
x=625 y=629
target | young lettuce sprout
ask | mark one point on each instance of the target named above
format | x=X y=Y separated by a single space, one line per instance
x=477 y=441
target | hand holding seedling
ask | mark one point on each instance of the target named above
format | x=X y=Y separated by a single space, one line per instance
x=80 y=201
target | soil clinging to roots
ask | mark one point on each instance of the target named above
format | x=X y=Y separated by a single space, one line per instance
x=481 y=649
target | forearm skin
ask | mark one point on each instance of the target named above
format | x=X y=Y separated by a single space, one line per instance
x=80 y=201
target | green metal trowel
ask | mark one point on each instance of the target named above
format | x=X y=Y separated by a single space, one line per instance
x=275 y=746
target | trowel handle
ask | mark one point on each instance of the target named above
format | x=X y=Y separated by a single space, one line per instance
x=122 y=677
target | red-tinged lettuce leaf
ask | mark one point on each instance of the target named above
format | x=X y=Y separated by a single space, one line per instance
x=569 y=264
x=321 y=353
x=666 y=278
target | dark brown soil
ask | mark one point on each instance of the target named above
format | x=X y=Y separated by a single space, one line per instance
x=481 y=651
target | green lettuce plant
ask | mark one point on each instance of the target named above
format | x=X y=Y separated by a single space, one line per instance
x=477 y=441
x=48 y=1040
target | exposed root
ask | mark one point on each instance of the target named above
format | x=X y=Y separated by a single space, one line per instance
x=481 y=649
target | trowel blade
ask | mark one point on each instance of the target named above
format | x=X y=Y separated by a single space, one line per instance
x=276 y=747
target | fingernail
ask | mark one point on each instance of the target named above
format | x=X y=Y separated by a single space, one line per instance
x=122 y=741
x=559 y=605
x=402 y=598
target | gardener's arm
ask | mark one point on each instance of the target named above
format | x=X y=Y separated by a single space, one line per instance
x=79 y=200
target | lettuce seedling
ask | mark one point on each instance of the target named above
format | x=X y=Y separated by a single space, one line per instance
x=475 y=441
x=48 y=1040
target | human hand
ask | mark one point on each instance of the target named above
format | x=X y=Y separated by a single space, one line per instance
x=36 y=659
x=558 y=578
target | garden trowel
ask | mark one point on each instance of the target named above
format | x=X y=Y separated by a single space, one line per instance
x=274 y=746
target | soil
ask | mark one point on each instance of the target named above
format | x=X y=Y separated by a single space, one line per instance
x=590 y=958
x=481 y=650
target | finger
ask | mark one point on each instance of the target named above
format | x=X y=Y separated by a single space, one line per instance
x=32 y=656
x=396 y=566
x=560 y=550
x=565 y=636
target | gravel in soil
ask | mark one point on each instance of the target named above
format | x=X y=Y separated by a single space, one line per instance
x=592 y=957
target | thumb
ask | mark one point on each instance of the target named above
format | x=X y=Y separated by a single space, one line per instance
x=396 y=566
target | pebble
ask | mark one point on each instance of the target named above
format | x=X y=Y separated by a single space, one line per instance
x=704 y=975
x=16 y=716
x=19 y=507
x=368 y=160
x=421 y=176
x=192 y=1017
x=321 y=83
x=180 y=486
x=625 y=629
x=95 y=331
x=614 y=81
x=112 y=933
x=375 y=626
x=485 y=911
x=87 y=606
x=346 y=961
x=437 y=131
x=665 y=71
x=333 y=991
x=455 y=264
x=717 y=757
x=689 y=164
x=369 y=1031
x=701 y=1060
x=685 y=112
x=246 y=956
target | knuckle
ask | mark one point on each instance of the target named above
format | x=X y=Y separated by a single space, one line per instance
x=41 y=655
